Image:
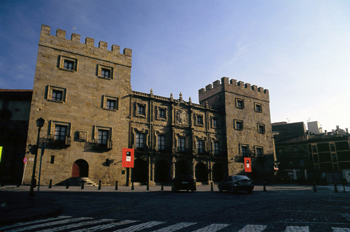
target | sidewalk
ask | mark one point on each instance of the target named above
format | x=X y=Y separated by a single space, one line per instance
x=17 y=206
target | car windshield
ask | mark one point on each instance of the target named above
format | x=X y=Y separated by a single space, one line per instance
x=241 y=178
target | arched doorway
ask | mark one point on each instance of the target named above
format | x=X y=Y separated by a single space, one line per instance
x=201 y=172
x=80 y=168
x=162 y=172
x=140 y=171
x=218 y=172
x=182 y=168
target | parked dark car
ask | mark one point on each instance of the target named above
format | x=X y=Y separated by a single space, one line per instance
x=236 y=184
x=184 y=182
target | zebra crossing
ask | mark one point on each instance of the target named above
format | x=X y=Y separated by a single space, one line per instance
x=82 y=224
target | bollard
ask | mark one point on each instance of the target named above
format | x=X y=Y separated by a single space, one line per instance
x=264 y=186
x=67 y=184
x=99 y=185
x=314 y=184
x=132 y=185
x=162 y=188
x=82 y=184
x=116 y=185
x=211 y=187
x=50 y=184
x=335 y=187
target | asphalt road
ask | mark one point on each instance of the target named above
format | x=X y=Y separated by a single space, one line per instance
x=295 y=208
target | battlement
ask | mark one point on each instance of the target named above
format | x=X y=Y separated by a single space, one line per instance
x=75 y=45
x=233 y=86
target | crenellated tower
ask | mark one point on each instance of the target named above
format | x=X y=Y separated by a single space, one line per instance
x=247 y=121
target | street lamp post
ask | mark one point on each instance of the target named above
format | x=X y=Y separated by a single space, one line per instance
x=40 y=123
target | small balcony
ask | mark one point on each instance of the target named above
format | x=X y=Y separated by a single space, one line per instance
x=101 y=147
x=54 y=142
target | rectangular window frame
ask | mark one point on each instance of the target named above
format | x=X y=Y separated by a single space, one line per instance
x=181 y=144
x=239 y=103
x=200 y=146
x=258 y=107
x=106 y=100
x=50 y=94
x=216 y=147
x=238 y=125
x=102 y=70
x=161 y=142
x=140 y=140
x=64 y=60
x=259 y=151
x=261 y=128
x=244 y=150
x=161 y=113
x=140 y=110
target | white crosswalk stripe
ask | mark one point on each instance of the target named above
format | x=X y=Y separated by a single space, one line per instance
x=106 y=226
x=297 y=229
x=255 y=228
x=175 y=227
x=83 y=224
x=66 y=221
x=75 y=225
x=336 y=229
x=140 y=226
x=212 y=228
x=32 y=222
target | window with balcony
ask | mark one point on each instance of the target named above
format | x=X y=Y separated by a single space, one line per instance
x=60 y=133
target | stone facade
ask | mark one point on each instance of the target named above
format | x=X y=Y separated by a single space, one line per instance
x=91 y=113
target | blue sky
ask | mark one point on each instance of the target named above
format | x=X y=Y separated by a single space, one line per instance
x=299 y=50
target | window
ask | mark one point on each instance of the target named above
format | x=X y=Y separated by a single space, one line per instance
x=162 y=113
x=332 y=146
x=239 y=103
x=261 y=128
x=103 y=136
x=200 y=146
x=214 y=122
x=140 y=140
x=60 y=133
x=238 y=125
x=258 y=108
x=314 y=148
x=104 y=72
x=244 y=151
x=334 y=157
x=181 y=145
x=199 y=119
x=109 y=103
x=141 y=110
x=52 y=159
x=161 y=142
x=259 y=151
x=56 y=94
x=315 y=157
x=216 y=148
x=67 y=64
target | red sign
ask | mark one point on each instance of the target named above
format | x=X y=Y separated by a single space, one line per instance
x=25 y=160
x=128 y=158
x=248 y=164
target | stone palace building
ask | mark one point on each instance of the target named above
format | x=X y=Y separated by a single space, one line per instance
x=91 y=113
